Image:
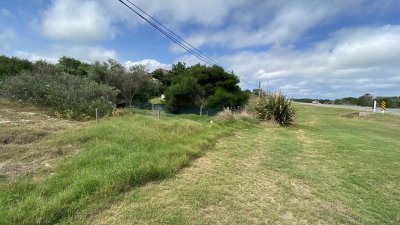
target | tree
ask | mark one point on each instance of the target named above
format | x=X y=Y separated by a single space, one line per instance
x=164 y=77
x=178 y=69
x=134 y=82
x=73 y=66
x=184 y=92
x=199 y=84
x=365 y=100
x=43 y=67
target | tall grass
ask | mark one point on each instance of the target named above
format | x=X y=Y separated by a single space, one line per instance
x=116 y=156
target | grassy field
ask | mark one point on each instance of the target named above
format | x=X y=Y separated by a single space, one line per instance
x=111 y=159
x=330 y=168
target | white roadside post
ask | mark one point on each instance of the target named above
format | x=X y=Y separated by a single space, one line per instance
x=97 y=116
x=374 y=106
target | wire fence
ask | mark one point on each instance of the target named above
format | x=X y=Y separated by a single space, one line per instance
x=184 y=109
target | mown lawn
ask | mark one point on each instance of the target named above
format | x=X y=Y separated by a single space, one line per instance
x=328 y=169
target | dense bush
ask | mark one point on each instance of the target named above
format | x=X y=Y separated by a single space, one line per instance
x=274 y=107
x=203 y=86
x=67 y=96
x=134 y=83
x=11 y=66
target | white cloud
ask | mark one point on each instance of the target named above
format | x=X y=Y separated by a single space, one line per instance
x=204 y=12
x=150 y=64
x=367 y=47
x=262 y=39
x=85 y=53
x=77 y=21
x=363 y=60
x=283 y=22
x=7 y=38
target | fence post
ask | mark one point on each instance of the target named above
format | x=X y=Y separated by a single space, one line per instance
x=158 y=114
x=201 y=110
x=97 y=116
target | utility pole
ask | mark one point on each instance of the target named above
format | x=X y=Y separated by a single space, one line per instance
x=259 y=89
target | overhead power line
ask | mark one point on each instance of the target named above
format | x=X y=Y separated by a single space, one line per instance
x=173 y=36
x=172 y=32
x=202 y=58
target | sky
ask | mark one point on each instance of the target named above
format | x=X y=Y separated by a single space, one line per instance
x=304 y=48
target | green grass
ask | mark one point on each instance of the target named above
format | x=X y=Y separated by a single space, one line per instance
x=114 y=157
x=328 y=169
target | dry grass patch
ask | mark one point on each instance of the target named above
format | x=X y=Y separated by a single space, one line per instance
x=229 y=115
x=28 y=138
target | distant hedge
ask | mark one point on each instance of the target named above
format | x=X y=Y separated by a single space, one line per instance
x=67 y=96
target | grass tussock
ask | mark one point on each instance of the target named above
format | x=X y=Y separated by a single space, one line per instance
x=273 y=107
x=229 y=115
x=116 y=156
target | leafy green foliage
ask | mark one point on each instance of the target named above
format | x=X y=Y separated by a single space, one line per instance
x=261 y=108
x=200 y=84
x=280 y=109
x=133 y=83
x=43 y=67
x=73 y=66
x=275 y=107
x=67 y=96
x=182 y=92
x=13 y=66
x=164 y=78
x=365 y=100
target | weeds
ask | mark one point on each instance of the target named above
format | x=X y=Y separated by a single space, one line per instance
x=229 y=115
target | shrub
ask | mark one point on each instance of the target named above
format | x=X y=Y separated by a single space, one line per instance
x=275 y=107
x=280 y=109
x=225 y=115
x=228 y=115
x=66 y=95
x=261 y=109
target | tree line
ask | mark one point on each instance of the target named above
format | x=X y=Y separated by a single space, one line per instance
x=73 y=88
x=368 y=100
x=364 y=100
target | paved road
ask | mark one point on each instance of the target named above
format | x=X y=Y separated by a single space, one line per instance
x=360 y=108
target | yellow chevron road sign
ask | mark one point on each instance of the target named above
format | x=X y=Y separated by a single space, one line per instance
x=383 y=106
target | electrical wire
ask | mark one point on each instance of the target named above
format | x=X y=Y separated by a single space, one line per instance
x=172 y=32
x=169 y=36
x=177 y=39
